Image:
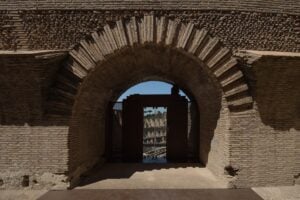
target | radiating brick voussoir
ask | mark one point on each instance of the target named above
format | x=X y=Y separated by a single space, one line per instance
x=169 y=33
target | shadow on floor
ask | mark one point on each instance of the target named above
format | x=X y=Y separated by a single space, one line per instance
x=150 y=194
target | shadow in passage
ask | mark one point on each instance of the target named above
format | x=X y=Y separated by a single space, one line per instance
x=150 y=194
x=126 y=170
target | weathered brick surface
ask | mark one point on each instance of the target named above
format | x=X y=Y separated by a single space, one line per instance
x=262 y=155
x=24 y=86
x=179 y=36
x=34 y=149
x=264 y=142
x=39 y=152
x=218 y=142
x=278 y=6
x=29 y=144
x=60 y=29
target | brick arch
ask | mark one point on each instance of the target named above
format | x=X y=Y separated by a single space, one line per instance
x=161 y=31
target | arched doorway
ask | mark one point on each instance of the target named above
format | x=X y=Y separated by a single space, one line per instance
x=158 y=120
x=177 y=106
x=87 y=126
x=101 y=67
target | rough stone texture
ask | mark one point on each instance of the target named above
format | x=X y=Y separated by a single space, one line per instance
x=60 y=29
x=151 y=31
x=278 y=6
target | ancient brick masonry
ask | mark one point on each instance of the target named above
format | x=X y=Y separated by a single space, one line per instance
x=7 y=40
x=269 y=6
x=158 y=30
x=58 y=58
x=60 y=29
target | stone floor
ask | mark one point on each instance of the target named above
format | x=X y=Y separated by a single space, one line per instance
x=25 y=194
x=151 y=176
x=266 y=193
x=153 y=181
x=150 y=194
x=279 y=193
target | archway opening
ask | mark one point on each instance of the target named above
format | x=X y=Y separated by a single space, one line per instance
x=163 y=124
x=145 y=48
x=109 y=79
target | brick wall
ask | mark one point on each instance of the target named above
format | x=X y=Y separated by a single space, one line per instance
x=34 y=152
x=278 y=6
x=29 y=144
x=37 y=149
x=261 y=144
x=262 y=155
x=25 y=80
x=61 y=29
x=218 y=153
x=263 y=141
